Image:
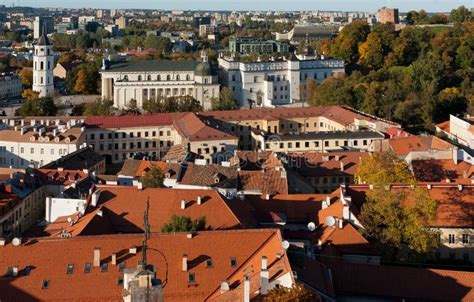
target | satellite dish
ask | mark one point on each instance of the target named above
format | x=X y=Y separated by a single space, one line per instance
x=16 y=241
x=330 y=221
x=311 y=226
x=285 y=244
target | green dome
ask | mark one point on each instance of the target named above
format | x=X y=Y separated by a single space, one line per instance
x=203 y=69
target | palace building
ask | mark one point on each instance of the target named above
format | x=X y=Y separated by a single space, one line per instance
x=278 y=81
x=144 y=80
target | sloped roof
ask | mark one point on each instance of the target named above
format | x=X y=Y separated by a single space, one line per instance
x=437 y=170
x=206 y=175
x=124 y=207
x=401 y=282
x=129 y=121
x=405 y=145
x=165 y=254
x=152 y=65
x=265 y=182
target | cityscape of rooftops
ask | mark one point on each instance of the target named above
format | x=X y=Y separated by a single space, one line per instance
x=236 y=150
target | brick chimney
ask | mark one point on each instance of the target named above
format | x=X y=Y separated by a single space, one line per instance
x=185 y=263
x=96 y=262
x=264 y=276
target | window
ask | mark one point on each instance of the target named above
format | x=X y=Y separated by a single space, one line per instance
x=233 y=262
x=306 y=144
x=32 y=150
x=45 y=284
x=191 y=277
x=209 y=263
x=122 y=266
x=139 y=77
x=27 y=270
x=465 y=238
x=451 y=239
x=87 y=267
x=70 y=268
x=326 y=144
x=120 y=281
x=364 y=142
x=104 y=267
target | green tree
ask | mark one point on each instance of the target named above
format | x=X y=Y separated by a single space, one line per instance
x=161 y=44
x=382 y=168
x=225 y=101
x=346 y=44
x=153 y=178
x=99 y=107
x=184 y=224
x=38 y=107
x=297 y=293
x=460 y=14
x=132 y=108
x=398 y=219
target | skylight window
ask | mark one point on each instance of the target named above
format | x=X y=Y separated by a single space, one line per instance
x=70 y=268
x=233 y=262
x=209 y=263
x=27 y=270
x=121 y=266
x=191 y=277
x=104 y=267
x=45 y=284
x=87 y=267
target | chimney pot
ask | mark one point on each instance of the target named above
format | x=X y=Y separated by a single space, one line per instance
x=132 y=250
x=96 y=262
x=114 y=259
x=15 y=271
x=199 y=201
x=341 y=223
x=246 y=289
x=183 y=204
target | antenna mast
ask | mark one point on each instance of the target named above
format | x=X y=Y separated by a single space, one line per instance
x=146 y=227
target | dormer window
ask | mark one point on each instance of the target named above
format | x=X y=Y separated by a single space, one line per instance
x=70 y=268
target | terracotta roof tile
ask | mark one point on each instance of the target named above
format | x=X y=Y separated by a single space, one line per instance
x=403 y=146
x=165 y=254
x=126 y=121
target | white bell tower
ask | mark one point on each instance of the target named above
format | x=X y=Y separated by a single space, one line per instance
x=43 y=61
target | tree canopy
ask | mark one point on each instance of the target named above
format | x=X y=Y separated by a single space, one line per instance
x=99 y=107
x=37 y=107
x=153 y=178
x=297 y=293
x=184 y=224
x=225 y=101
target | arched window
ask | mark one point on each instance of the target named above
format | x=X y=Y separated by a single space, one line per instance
x=188 y=78
x=139 y=78
x=149 y=78
x=168 y=78
x=158 y=77
x=41 y=65
x=125 y=77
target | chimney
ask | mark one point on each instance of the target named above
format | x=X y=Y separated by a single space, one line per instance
x=320 y=244
x=345 y=212
x=15 y=271
x=264 y=276
x=326 y=202
x=133 y=250
x=246 y=289
x=340 y=223
x=114 y=259
x=183 y=204
x=267 y=196
x=460 y=187
x=96 y=262
x=33 y=122
x=139 y=186
x=342 y=166
x=3 y=241
x=199 y=201
x=185 y=263
x=429 y=186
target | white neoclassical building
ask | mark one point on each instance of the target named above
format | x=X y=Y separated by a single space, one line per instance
x=143 y=80
x=43 y=64
x=278 y=81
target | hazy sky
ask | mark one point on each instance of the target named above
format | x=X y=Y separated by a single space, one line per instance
x=347 y=5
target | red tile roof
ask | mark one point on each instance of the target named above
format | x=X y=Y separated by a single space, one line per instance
x=165 y=254
x=124 y=207
x=195 y=129
x=403 y=146
x=401 y=283
x=455 y=206
x=125 y=121
x=437 y=170
x=264 y=182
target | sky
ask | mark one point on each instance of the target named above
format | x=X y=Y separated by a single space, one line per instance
x=344 y=5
